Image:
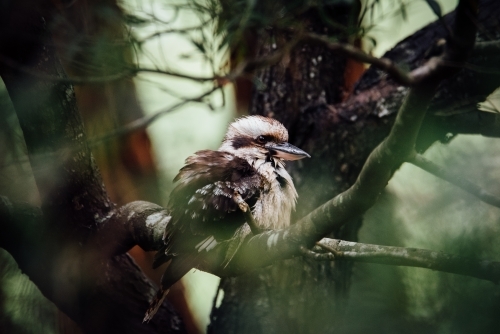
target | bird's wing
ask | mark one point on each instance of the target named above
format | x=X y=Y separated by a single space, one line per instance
x=202 y=205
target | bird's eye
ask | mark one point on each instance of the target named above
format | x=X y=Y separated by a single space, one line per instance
x=261 y=140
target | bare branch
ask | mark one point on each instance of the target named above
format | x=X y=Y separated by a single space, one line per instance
x=173 y=31
x=415 y=257
x=487 y=47
x=384 y=64
x=173 y=74
x=126 y=73
x=147 y=120
x=317 y=256
x=146 y=221
x=455 y=179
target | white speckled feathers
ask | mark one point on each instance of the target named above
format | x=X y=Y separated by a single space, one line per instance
x=202 y=202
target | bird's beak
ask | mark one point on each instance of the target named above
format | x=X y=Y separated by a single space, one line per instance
x=286 y=151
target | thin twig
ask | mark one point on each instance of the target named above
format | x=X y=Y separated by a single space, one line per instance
x=126 y=73
x=455 y=179
x=174 y=74
x=173 y=31
x=145 y=121
x=487 y=46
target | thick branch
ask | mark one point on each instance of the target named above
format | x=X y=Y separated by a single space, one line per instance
x=102 y=294
x=136 y=223
x=146 y=221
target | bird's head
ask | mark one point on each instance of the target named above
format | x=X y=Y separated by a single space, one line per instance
x=258 y=137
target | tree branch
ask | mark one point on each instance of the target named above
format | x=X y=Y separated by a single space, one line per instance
x=136 y=223
x=385 y=64
x=146 y=221
x=147 y=120
x=100 y=293
x=457 y=180
x=127 y=73
x=174 y=31
x=415 y=257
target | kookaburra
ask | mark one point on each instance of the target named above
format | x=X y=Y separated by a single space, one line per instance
x=206 y=206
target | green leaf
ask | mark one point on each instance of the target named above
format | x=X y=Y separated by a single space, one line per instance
x=403 y=11
x=372 y=40
x=199 y=45
x=435 y=7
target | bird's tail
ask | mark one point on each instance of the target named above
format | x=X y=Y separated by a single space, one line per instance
x=155 y=304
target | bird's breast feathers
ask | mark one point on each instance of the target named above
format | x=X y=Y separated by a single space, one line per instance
x=202 y=202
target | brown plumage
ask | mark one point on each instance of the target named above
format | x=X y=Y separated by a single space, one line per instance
x=249 y=163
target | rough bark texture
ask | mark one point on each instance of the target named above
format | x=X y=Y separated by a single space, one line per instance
x=300 y=296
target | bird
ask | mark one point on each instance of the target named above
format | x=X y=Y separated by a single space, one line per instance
x=220 y=193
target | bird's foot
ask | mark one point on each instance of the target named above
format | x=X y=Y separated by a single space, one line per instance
x=248 y=213
x=330 y=254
